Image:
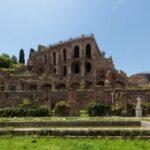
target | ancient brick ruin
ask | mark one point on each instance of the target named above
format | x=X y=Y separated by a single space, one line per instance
x=75 y=70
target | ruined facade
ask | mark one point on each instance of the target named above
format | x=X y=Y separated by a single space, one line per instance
x=65 y=64
x=75 y=70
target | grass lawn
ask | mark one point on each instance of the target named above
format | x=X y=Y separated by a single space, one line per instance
x=112 y=118
x=46 y=143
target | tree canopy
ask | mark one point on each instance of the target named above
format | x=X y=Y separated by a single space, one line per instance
x=21 y=57
x=5 y=61
x=32 y=51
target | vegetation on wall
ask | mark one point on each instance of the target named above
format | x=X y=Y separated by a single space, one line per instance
x=62 y=108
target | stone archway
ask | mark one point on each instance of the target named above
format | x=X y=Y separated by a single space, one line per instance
x=45 y=86
x=61 y=86
x=32 y=87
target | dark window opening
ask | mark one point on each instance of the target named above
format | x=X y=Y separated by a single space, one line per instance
x=33 y=87
x=88 y=67
x=2 y=86
x=61 y=87
x=46 y=87
x=45 y=58
x=65 y=71
x=88 y=51
x=76 y=68
x=12 y=88
x=54 y=58
x=76 y=52
x=64 y=55
x=54 y=70
x=100 y=83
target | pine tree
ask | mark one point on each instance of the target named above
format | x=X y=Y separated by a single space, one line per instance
x=21 y=57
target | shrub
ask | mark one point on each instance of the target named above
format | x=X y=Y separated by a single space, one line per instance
x=26 y=103
x=146 y=108
x=98 y=109
x=24 y=112
x=62 y=108
x=39 y=112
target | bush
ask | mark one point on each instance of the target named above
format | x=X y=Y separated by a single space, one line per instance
x=62 y=109
x=98 y=109
x=24 y=112
x=39 y=112
x=146 y=108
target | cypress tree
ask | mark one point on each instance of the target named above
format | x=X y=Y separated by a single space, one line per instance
x=21 y=57
x=32 y=51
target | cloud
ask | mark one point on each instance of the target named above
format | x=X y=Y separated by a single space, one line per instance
x=117 y=3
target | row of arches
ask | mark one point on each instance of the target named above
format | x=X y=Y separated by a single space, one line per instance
x=76 y=54
x=62 y=86
x=59 y=86
x=75 y=68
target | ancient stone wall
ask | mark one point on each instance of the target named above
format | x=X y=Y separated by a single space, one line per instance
x=82 y=97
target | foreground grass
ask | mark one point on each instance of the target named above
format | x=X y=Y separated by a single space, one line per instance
x=36 y=143
x=112 y=118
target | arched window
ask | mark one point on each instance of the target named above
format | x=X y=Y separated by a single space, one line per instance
x=54 y=58
x=65 y=71
x=64 y=55
x=75 y=68
x=88 y=67
x=76 y=51
x=88 y=51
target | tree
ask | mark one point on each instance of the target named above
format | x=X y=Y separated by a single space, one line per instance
x=14 y=59
x=21 y=57
x=5 y=61
x=32 y=51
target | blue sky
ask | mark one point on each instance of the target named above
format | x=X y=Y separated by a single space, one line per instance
x=121 y=27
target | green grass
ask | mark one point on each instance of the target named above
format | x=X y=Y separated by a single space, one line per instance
x=113 y=118
x=46 y=143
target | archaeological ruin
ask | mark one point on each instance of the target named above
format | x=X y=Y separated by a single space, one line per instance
x=74 y=70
